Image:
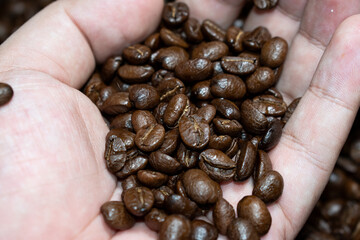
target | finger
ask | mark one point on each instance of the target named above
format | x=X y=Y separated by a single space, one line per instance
x=64 y=40
x=319 y=22
x=316 y=132
x=222 y=12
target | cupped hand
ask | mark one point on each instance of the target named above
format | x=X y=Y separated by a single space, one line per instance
x=53 y=179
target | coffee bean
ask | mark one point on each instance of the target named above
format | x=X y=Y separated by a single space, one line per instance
x=177 y=204
x=138 y=201
x=226 y=108
x=122 y=121
x=333 y=209
x=252 y=119
x=256 y=212
x=260 y=80
x=233 y=149
x=134 y=162
x=127 y=137
x=135 y=74
x=202 y=230
x=178 y=107
x=227 y=86
x=206 y=113
x=262 y=165
x=159 y=112
x=194 y=70
x=201 y=91
x=170 y=57
x=223 y=215
x=154 y=219
x=169 y=38
x=117 y=103
x=186 y=157
x=171 y=141
x=164 y=163
x=270 y=105
x=221 y=142
x=109 y=68
x=151 y=179
x=91 y=90
x=290 y=110
x=227 y=127
x=195 y=134
x=192 y=29
x=175 y=14
x=115 y=152
x=212 y=31
x=130 y=182
x=179 y=188
x=243 y=64
x=150 y=138
x=119 y=85
x=160 y=194
x=142 y=119
x=265 y=4
x=159 y=76
x=153 y=41
x=255 y=40
x=137 y=54
x=245 y=162
x=210 y=50
x=144 y=96
x=234 y=37
x=175 y=227
x=169 y=88
x=274 y=92
x=217 y=69
x=272 y=135
x=269 y=187
x=116 y=216
x=241 y=228
x=273 y=53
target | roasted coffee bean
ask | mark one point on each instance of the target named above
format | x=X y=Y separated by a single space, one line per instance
x=241 y=228
x=119 y=85
x=255 y=40
x=265 y=4
x=179 y=188
x=173 y=181
x=115 y=152
x=333 y=209
x=272 y=135
x=164 y=163
x=252 y=119
x=217 y=165
x=159 y=112
x=116 y=216
x=243 y=64
x=226 y=108
x=186 y=157
x=210 y=50
x=122 y=121
x=159 y=76
x=221 y=142
x=260 y=80
x=169 y=38
x=175 y=14
x=138 y=201
x=127 y=137
x=352 y=190
x=144 y=96
x=150 y=138
x=192 y=29
x=206 y=113
x=227 y=127
x=109 y=68
x=135 y=74
x=91 y=90
x=134 y=162
x=151 y=179
x=171 y=141
x=194 y=70
x=273 y=53
x=195 y=134
x=160 y=194
x=137 y=54
x=212 y=31
x=255 y=141
x=130 y=182
x=200 y=188
x=175 y=227
x=245 y=161
x=177 y=204
x=234 y=37
x=142 y=119
x=170 y=57
x=223 y=215
x=233 y=149
x=256 y=212
x=269 y=187
x=169 y=88
x=270 y=105
x=202 y=230
x=227 y=86
x=201 y=90
x=117 y=103
x=263 y=165
x=154 y=219
x=217 y=69
x=153 y=41
x=290 y=110
x=178 y=107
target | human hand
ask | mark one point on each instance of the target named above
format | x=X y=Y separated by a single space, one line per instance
x=55 y=180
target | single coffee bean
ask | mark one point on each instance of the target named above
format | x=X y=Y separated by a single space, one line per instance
x=186 y=157
x=252 y=119
x=269 y=187
x=194 y=70
x=159 y=76
x=175 y=14
x=206 y=113
x=170 y=57
x=127 y=137
x=245 y=162
x=135 y=74
x=151 y=179
x=226 y=108
x=255 y=40
x=201 y=91
x=164 y=163
x=116 y=216
x=223 y=215
x=265 y=4
x=272 y=135
x=153 y=41
x=233 y=149
x=270 y=105
x=192 y=29
x=175 y=227
x=150 y=138
x=241 y=65
x=91 y=90
x=109 y=68
x=144 y=96
x=234 y=38
x=169 y=38
x=221 y=142
x=138 y=201
x=122 y=121
x=134 y=162
x=117 y=103
x=202 y=230
x=154 y=219
x=171 y=141
x=333 y=209
x=137 y=54
x=159 y=112
x=227 y=86
x=256 y=212
x=177 y=204
x=130 y=182
x=179 y=188
x=290 y=110
x=262 y=79
x=195 y=134
x=241 y=228
x=212 y=31
x=210 y=50
x=160 y=194
x=142 y=119
x=273 y=53
x=227 y=127
x=115 y=152
x=178 y=107
x=263 y=165
x=169 y=88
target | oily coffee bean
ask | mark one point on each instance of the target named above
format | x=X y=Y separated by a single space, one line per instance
x=169 y=88
x=217 y=69
x=201 y=90
x=265 y=4
x=223 y=215
x=241 y=228
x=226 y=108
x=263 y=165
x=243 y=64
x=192 y=29
x=290 y=110
x=273 y=53
x=170 y=57
x=134 y=162
x=269 y=187
x=245 y=161
x=142 y=119
x=206 y=113
x=333 y=209
x=194 y=70
x=175 y=227
x=153 y=41
x=212 y=31
x=151 y=179
x=260 y=80
x=272 y=135
x=169 y=38
x=119 y=85
x=117 y=103
x=171 y=141
x=256 y=212
x=159 y=112
x=179 y=188
x=227 y=127
x=91 y=90
x=116 y=216
x=178 y=106
x=130 y=182
x=135 y=74
x=138 y=201
x=221 y=142
x=255 y=40
x=252 y=119
x=160 y=194
x=234 y=38
x=210 y=50
x=175 y=14
x=202 y=230
x=233 y=149
x=177 y=204
x=159 y=76
x=186 y=157
x=137 y=54
x=144 y=96
x=122 y=121
x=110 y=67
x=154 y=219
x=227 y=86
x=127 y=137
x=195 y=134
x=115 y=152
x=150 y=138
x=164 y=163
x=270 y=105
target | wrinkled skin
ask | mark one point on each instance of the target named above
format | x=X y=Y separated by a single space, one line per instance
x=53 y=178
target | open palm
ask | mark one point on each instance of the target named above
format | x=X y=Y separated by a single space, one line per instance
x=53 y=179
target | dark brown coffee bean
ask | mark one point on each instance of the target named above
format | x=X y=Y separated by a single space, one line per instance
x=137 y=54
x=256 y=212
x=201 y=90
x=227 y=86
x=242 y=229
x=212 y=31
x=170 y=57
x=159 y=112
x=110 y=67
x=135 y=74
x=263 y=165
x=202 y=230
x=265 y=4
x=151 y=179
x=192 y=29
x=233 y=149
x=217 y=69
x=116 y=216
x=159 y=76
x=150 y=138
x=138 y=201
x=252 y=119
x=160 y=194
x=210 y=50
x=142 y=119
x=122 y=121
x=175 y=14
x=177 y=204
x=179 y=188
x=134 y=162
x=92 y=88
x=164 y=163
x=171 y=141
x=175 y=227
x=153 y=41
x=178 y=107
x=169 y=88
x=273 y=53
x=221 y=142
x=333 y=209
x=223 y=215
x=240 y=65
x=119 y=85
x=200 y=188
x=206 y=113
x=290 y=110
x=269 y=187
x=154 y=219
x=195 y=134
x=117 y=103
x=262 y=79
x=227 y=127
x=226 y=108
x=234 y=37
x=127 y=137
x=144 y=96
x=270 y=105
x=274 y=92
x=272 y=135
x=130 y=182
x=194 y=70
x=186 y=157
x=255 y=40
x=115 y=152
x=245 y=162
x=170 y=38
x=352 y=190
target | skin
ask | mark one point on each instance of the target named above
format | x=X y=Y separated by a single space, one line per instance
x=53 y=179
